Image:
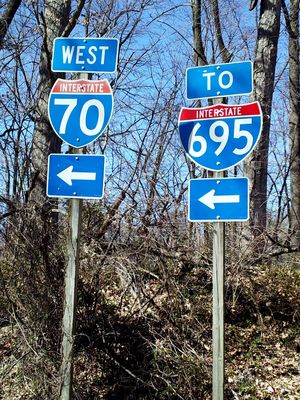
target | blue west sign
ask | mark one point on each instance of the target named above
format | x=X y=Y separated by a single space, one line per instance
x=220 y=136
x=85 y=55
x=80 y=110
x=223 y=199
x=75 y=176
x=219 y=80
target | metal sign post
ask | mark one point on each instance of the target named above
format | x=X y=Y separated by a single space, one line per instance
x=218 y=301
x=70 y=305
x=218 y=305
x=79 y=111
x=217 y=138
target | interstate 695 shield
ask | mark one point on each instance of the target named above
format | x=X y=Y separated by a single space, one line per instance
x=220 y=136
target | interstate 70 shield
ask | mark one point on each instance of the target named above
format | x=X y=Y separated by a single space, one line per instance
x=221 y=136
x=79 y=110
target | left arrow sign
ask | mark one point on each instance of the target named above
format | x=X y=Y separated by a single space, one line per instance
x=210 y=199
x=218 y=199
x=67 y=175
x=76 y=176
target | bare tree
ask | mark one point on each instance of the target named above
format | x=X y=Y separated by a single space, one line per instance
x=18 y=89
x=53 y=22
x=7 y=16
x=256 y=166
x=199 y=50
x=294 y=119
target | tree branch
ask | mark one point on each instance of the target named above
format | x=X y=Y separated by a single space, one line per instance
x=7 y=16
x=199 y=51
x=291 y=33
x=253 y=4
x=226 y=56
x=73 y=19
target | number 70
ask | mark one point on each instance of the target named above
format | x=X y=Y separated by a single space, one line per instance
x=71 y=104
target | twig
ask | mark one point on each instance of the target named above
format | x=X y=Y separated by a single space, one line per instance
x=15 y=363
x=22 y=332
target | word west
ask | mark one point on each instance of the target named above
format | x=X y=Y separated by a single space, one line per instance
x=85 y=54
x=81 y=54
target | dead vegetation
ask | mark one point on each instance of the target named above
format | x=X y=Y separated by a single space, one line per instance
x=144 y=322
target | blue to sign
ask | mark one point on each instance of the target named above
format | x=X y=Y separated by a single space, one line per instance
x=77 y=176
x=221 y=136
x=85 y=55
x=80 y=110
x=223 y=199
x=219 y=80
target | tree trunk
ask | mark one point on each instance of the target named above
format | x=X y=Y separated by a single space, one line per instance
x=8 y=14
x=57 y=13
x=199 y=51
x=294 y=120
x=256 y=166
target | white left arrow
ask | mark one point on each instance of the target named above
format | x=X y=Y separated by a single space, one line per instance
x=210 y=199
x=67 y=175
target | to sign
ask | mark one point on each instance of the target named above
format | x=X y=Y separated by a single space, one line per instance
x=220 y=136
x=75 y=176
x=223 y=199
x=85 y=55
x=80 y=110
x=219 y=80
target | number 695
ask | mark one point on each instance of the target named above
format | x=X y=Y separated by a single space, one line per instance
x=222 y=139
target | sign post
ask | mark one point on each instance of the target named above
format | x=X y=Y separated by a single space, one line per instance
x=79 y=111
x=218 y=301
x=70 y=305
x=218 y=305
x=217 y=138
